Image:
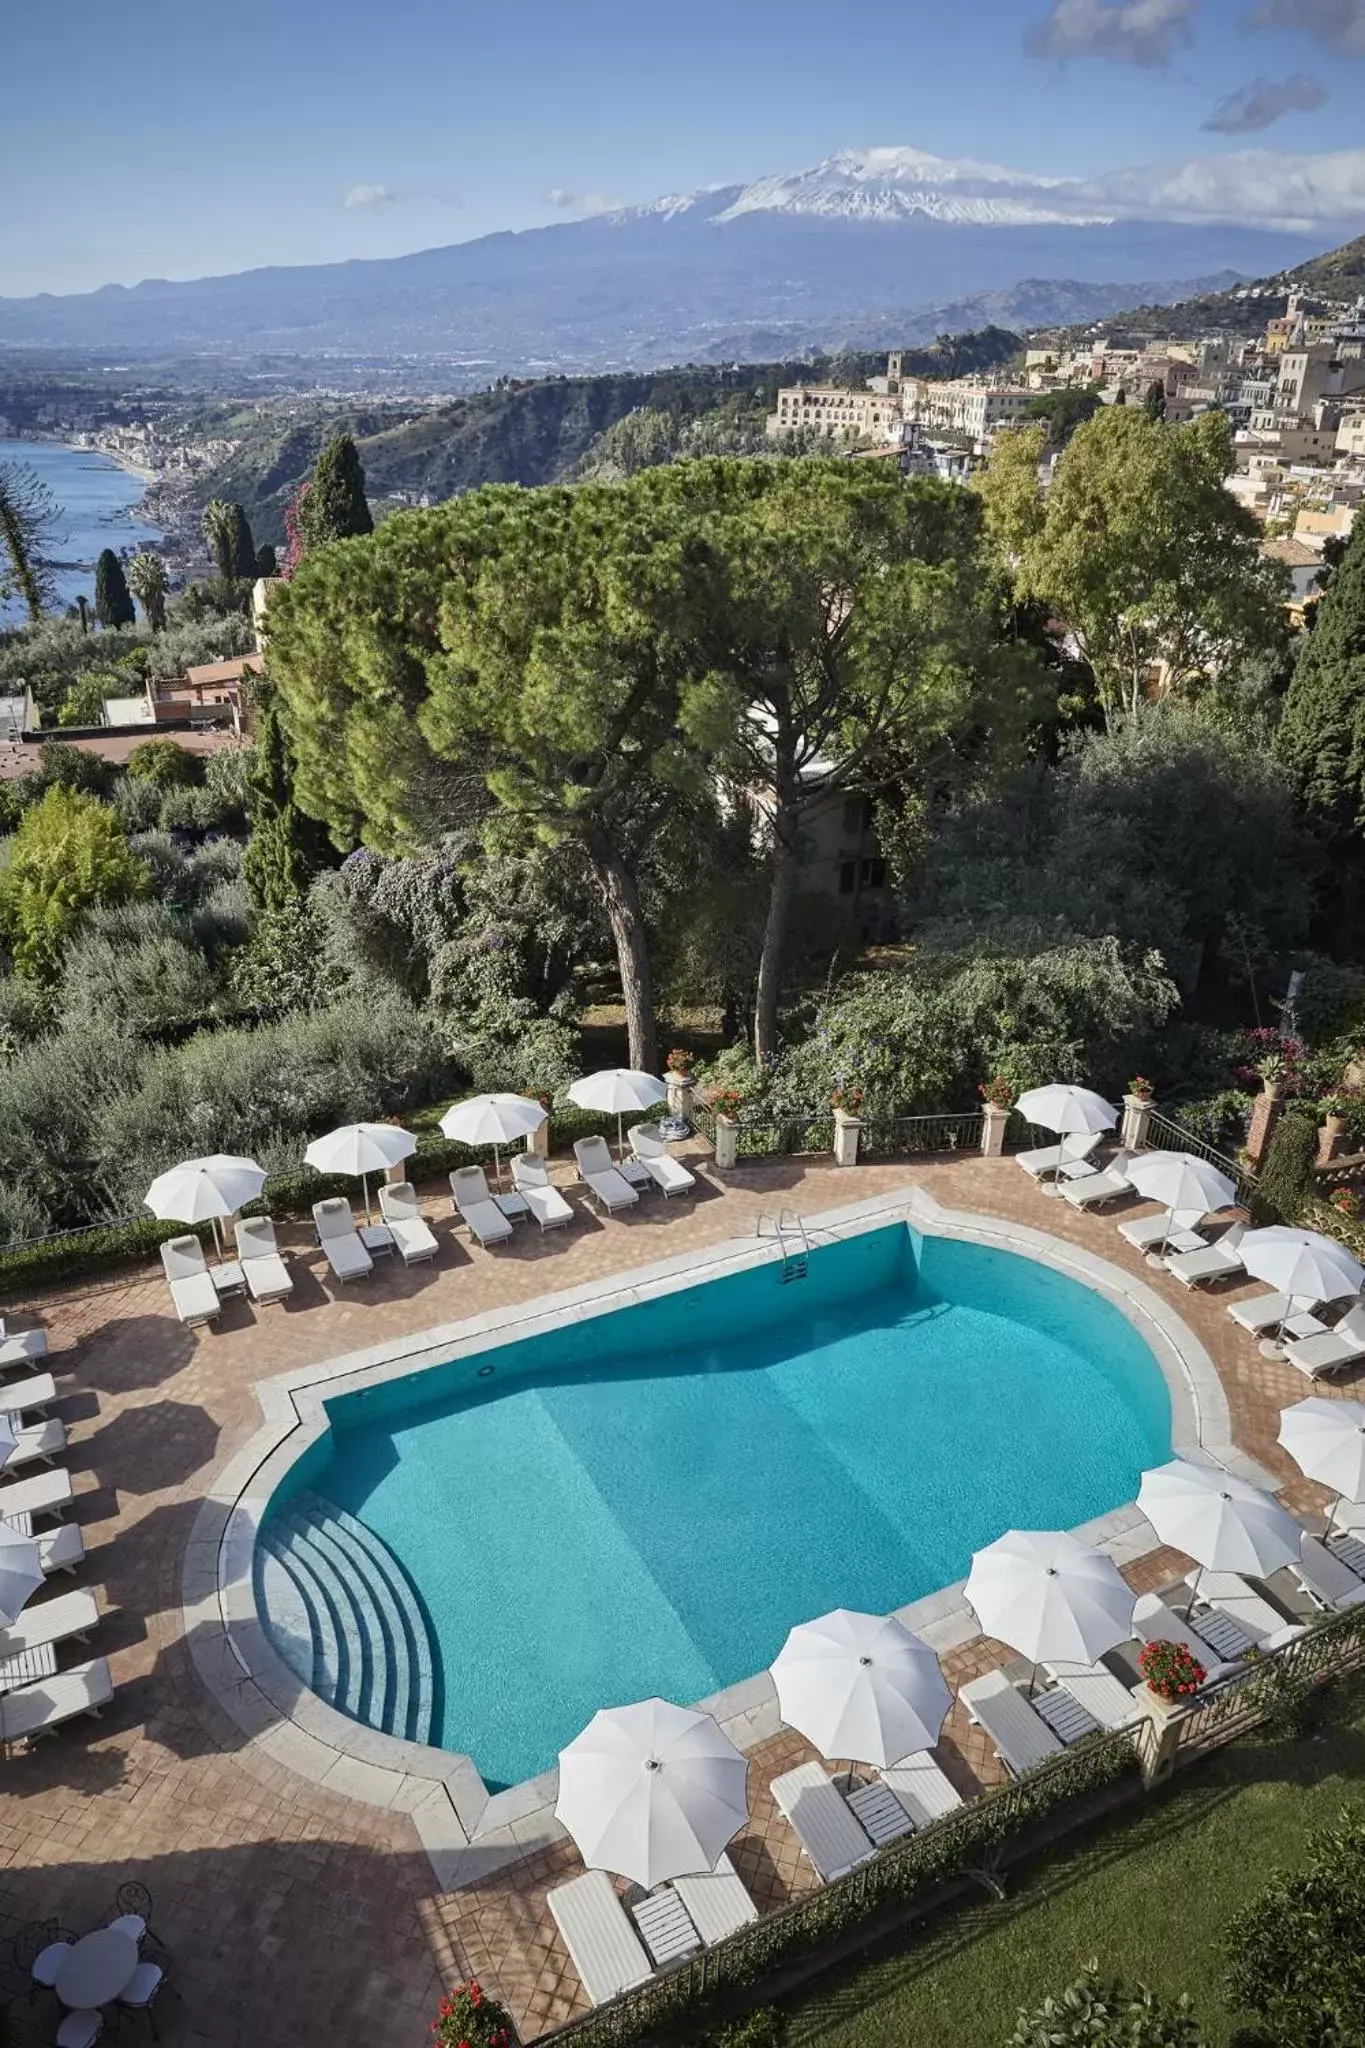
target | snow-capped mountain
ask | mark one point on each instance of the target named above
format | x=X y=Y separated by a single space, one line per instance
x=867 y=237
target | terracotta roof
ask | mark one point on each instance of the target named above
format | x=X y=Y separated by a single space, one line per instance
x=1293 y=552
x=19 y=759
x=211 y=672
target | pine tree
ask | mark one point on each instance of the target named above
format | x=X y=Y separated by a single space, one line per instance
x=113 y=601
x=243 y=545
x=334 y=506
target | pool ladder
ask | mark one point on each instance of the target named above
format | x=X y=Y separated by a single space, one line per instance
x=790 y=1232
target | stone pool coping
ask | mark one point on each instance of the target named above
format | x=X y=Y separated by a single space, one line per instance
x=466 y=1832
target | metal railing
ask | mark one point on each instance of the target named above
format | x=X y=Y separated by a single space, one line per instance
x=905 y=1137
x=1165 y=1135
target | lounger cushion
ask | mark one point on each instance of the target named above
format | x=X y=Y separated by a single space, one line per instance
x=832 y=1837
x=33 y=1708
x=717 y=1902
x=41 y=1440
x=414 y=1238
x=50 y=1621
x=45 y=1494
x=1021 y=1736
x=922 y=1788
x=34 y=1392
x=1093 y=1686
x=611 y=1188
x=196 y=1300
x=603 y=1946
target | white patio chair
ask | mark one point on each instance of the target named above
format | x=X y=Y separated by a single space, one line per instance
x=531 y=1179
x=1021 y=1736
x=50 y=1621
x=1067 y=1158
x=601 y=1178
x=1093 y=1190
x=475 y=1207
x=1334 y=1350
x=1164 y=1232
x=603 y=1946
x=258 y=1254
x=923 y=1789
x=1229 y=1594
x=411 y=1232
x=1095 y=1688
x=191 y=1284
x=34 y=1392
x=340 y=1240
x=47 y=1493
x=833 y=1838
x=1326 y=1578
x=38 y=1709
x=39 y=1444
x=666 y=1172
x=1218 y=1262
x=717 y=1902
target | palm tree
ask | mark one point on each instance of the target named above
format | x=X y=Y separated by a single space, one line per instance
x=219 y=528
x=148 y=583
x=29 y=522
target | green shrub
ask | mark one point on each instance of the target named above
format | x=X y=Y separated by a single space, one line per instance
x=1287 y=1176
x=1330 y=1007
x=1296 y=1956
x=766 y=2028
x=141 y=984
x=137 y=805
x=1089 y=2011
x=165 y=764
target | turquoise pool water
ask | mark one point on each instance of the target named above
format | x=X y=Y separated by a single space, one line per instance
x=646 y=1502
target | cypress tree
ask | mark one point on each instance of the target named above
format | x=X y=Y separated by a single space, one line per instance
x=113 y=600
x=1322 y=732
x=266 y=562
x=1154 y=404
x=283 y=848
x=243 y=546
x=334 y=506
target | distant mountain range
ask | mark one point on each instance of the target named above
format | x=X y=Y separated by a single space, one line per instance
x=867 y=245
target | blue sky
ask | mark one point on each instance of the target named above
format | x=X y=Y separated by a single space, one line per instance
x=173 y=140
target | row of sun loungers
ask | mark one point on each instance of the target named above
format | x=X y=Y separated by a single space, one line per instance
x=613 y=1949
x=36 y=1696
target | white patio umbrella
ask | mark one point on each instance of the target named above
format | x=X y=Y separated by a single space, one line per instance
x=1050 y=1596
x=1326 y=1440
x=494 y=1120
x=618 y=1089
x=1301 y=1262
x=360 y=1150
x=1181 y=1181
x=202 y=1190
x=21 y=1572
x=1218 y=1520
x=652 y=1791
x=861 y=1686
x=1067 y=1109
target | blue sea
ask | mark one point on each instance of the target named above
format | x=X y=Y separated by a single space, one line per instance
x=95 y=499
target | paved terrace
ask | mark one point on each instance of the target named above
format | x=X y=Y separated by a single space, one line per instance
x=294 y=1916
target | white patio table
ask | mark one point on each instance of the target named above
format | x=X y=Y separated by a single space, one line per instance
x=99 y=1967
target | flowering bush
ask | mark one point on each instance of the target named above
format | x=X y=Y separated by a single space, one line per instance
x=727 y=1102
x=466 y=2018
x=850 y=1099
x=1171 y=1671
x=998 y=1092
x=1268 y=1055
x=1347 y=1202
x=1140 y=1086
x=679 y=1061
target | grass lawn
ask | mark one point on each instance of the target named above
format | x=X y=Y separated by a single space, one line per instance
x=1148 y=1895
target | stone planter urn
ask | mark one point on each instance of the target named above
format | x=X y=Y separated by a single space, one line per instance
x=727 y=1143
x=1331 y=1133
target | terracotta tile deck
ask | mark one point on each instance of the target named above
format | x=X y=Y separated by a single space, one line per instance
x=294 y=1917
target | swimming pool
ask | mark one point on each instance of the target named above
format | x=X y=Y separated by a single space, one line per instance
x=647 y=1500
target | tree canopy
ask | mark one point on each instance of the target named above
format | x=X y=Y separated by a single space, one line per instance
x=1155 y=567
x=1322 y=732
x=113 y=602
x=149 y=583
x=69 y=853
x=333 y=506
x=29 y=526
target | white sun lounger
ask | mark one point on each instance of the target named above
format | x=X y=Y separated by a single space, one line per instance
x=1265 y=1311
x=603 y=1946
x=1091 y=1190
x=475 y=1207
x=717 y=1903
x=340 y=1240
x=47 y=1493
x=664 y=1170
x=1228 y=1593
x=37 y=1445
x=1021 y=1736
x=1326 y=1578
x=601 y=1178
x=531 y=1179
x=1216 y=1262
x=1155 y=1622
x=21 y=1347
x=1094 y=1687
x=50 y=1621
x=411 y=1232
x=833 y=1838
x=35 y=1392
x=922 y=1788
x=1342 y=1346
x=879 y=1812
x=38 y=1709
x=1068 y=1158
x=61 y=1549
x=191 y=1284
x=1164 y=1232
x=267 y=1277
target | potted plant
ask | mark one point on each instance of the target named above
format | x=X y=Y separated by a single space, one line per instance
x=727 y=1102
x=1171 y=1671
x=1140 y=1087
x=468 y=2018
x=1346 y=1202
x=679 y=1062
x=849 y=1100
x=999 y=1092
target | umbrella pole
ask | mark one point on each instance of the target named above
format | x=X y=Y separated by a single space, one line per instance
x=365 y=1189
x=620 y=1135
x=1331 y=1516
x=1194 y=1590
x=497 y=1165
x=1033 y=1679
x=217 y=1239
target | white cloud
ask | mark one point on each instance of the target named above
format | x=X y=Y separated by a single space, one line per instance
x=1339 y=24
x=581 y=203
x=1144 y=32
x=1258 y=187
x=1264 y=102
x=369 y=195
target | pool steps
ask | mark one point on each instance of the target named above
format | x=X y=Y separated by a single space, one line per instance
x=341 y=1612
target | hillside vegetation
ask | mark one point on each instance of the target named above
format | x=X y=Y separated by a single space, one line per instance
x=1337 y=274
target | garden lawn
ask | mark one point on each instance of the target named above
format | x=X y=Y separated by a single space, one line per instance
x=1149 y=1895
